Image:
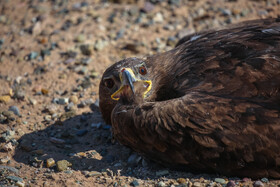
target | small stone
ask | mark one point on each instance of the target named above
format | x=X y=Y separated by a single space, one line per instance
x=32 y=55
x=100 y=44
x=148 y=7
x=86 y=102
x=70 y=106
x=96 y=125
x=63 y=165
x=32 y=101
x=8 y=147
x=3 y=19
x=67 y=115
x=86 y=49
x=5 y=98
x=82 y=132
x=220 y=180
x=50 y=162
x=231 y=184
x=181 y=181
x=20 y=184
x=15 y=110
x=11 y=169
x=4 y=160
x=158 y=18
x=45 y=52
x=63 y=101
x=48 y=117
x=161 y=184
x=171 y=41
x=57 y=140
x=44 y=91
x=225 y=12
x=86 y=61
x=134 y=183
x=265 y=180
x=25 y=145
x=14 y=178
x=133 y=160
x=258 y=184
x=80 y=38
x=93 y=173
x=162 y=173
x=51 y=109
x=196 y=184
x=38 y=151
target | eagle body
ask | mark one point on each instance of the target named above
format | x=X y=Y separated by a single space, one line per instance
x=213 y=106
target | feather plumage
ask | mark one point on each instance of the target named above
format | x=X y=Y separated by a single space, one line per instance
x=214 y=105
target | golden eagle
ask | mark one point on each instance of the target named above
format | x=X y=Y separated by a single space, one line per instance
x=211 y=104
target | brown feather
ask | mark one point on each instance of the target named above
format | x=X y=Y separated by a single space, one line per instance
x=214 y=105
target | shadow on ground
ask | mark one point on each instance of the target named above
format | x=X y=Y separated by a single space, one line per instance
x=85 y=141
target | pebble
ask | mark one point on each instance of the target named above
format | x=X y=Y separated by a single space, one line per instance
x=61 y=101
x=4 y=160
x=25 y=145
x=15 y=110
x=70 y=106
x=20 y=184
x=162 y=173
x=11 y=169
x=93 y=173
x=80 y=38
x=8 y=147
x=51 y=109
x=220 y=180
x=67 y=115
x=134 y=183
x=171 y=41
x=258 y=184
x=181 y=181
x=5 y=98
x=50 y=162
x=100 y=44
x=86 y=49
x=33 y=55
x=265 y=180
x=148 y=7
x=8 y=135
x=62 y=165
x=231 y=184
x=158 y=18
x=196 y=184
x=86 y=102
x=82 y=132
x=96 y=125
x=32 y=101
x=14 y=178
x=45 y=91
x=57 y=140
x=133 y=160
x=48 y=117
x=161 y=184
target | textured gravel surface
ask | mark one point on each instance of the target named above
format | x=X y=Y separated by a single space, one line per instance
x=52 y=56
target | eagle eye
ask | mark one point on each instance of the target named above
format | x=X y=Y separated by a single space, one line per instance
x=142 y=70
x=109 y=83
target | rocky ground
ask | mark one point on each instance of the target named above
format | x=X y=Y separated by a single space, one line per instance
x=52 y=56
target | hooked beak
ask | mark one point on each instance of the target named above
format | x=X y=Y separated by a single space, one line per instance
x=128 y=79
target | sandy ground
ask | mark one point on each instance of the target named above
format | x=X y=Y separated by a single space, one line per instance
x=52 y=56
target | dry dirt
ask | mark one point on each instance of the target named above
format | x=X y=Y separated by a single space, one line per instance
x=52 y=56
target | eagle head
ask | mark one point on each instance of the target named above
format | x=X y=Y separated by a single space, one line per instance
x=126 y=82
